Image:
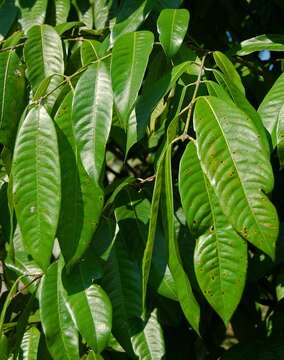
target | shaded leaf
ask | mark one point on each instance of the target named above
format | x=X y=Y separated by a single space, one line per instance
x=81 y=200
x=29 y=345
x=12 y=95
x=185 y=295
x=59 y=329
x=8 y=13
x=272 y=42
x=270 y=110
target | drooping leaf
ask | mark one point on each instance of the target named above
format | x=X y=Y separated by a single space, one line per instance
x=147 y=102
x=32 y=13
x=122 y=282
x=92 y=116
x=29 y=345
x=91 y=309
x=59 y=329
x=220 y=253
x=21 y=263
x=101 y=13
x=43 y=54
x=8 y=13
x=193 y=193
x=131 y=15
x=148 y=252
x=270 y=110
x=228 y=69
x=172 y=26
x=272 y=42
x=62 y=8
x=129 y=60
x=242 y=193
x=90 y=51
x=81 y=201
x=84 y=11
x=36 y=183
x=148 y=343
x=185 y=294
x=241 y=101
x=215 y=89
x=12 y=95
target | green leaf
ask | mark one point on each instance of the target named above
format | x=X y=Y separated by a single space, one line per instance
x=270 y=110
x=280 y=137
x=81 y=201
x=4 y=347
x=62 y=8
x=130 y=17
x=122 y=282
x=101 y=13
x=90 y=308
x=220 y=258
x=172 y=27
x=215 y=89
x=241 y=101
x=22 y=264
x=90 y=51
x=36 y=183
x=185 y=295
x=12 y=95
x=228 y=69
x=8 y=13
x=32 y=13
x=84 y=11
x=129 y=61
x=59 y=329
x=149 y=343
x=147 y=102
x=193 y=193
x=44 y=55
x=92 y=116
x=29 y=345
x=93 y=356
x=242 y=193
x=272 y=42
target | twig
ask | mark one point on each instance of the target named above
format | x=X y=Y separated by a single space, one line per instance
x=11 y=47
x=190 y=106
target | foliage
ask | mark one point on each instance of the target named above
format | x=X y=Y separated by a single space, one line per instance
x=141 y=169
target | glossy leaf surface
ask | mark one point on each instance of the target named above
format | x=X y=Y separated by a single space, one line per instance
x=36 y=183
x=270 y=110
x=241 y=193
x=129 y=60
x=43 y=54
x=172 y=26
x=220 y=253
x=59 y=329
x=92 y=116
x=81 y=201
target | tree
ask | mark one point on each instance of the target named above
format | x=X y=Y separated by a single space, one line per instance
x=140 y=187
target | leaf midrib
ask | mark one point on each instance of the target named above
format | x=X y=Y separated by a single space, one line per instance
x=237 y=172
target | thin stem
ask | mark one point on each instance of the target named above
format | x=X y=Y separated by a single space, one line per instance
x=11 y=47
x=190 y=106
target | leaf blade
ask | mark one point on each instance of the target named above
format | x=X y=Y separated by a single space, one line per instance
x=36 y=183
